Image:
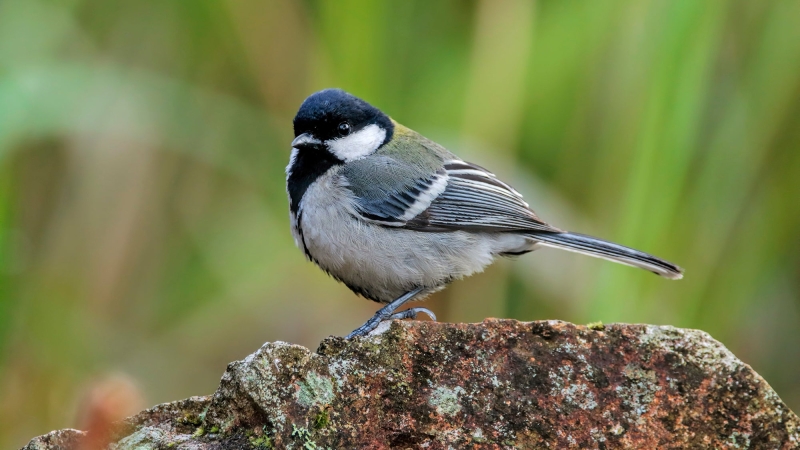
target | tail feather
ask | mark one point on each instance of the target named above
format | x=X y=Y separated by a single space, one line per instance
x=599 y=248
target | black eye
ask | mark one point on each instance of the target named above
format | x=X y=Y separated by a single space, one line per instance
x=344 y=129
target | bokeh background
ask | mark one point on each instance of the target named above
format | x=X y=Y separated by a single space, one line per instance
x=144 y=235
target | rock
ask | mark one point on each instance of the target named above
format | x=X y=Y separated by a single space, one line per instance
x=59 y=439
x=496 y=384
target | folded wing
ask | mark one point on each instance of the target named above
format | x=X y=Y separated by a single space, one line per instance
x=456 y=196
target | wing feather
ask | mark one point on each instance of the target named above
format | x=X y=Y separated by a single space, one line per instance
x=457 y=196
x=476 y=199
x=395 y=206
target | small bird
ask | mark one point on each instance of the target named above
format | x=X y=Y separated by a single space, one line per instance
x=395 y=216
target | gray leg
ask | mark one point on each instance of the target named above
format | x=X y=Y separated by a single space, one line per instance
x=384 y=313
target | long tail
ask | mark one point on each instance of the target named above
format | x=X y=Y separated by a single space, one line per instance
x=599 y=248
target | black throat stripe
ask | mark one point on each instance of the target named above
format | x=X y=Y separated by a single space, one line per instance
x=309 y=164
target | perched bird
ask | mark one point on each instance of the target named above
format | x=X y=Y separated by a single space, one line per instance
x=396 y=216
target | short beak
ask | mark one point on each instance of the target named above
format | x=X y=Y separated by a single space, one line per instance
x=305 y=140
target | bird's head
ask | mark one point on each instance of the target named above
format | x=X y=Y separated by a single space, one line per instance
x=343 y=125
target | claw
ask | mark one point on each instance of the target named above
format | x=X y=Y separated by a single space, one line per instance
x=411 y=313
x=428 y=312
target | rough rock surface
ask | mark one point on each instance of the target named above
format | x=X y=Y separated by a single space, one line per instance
x=496 y=384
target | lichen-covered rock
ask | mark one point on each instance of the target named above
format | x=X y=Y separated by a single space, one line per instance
x=59 y=439
x=496 y=384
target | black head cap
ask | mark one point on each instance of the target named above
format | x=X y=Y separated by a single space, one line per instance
x=332 y=113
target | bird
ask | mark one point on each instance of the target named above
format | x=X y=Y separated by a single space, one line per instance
x=396 y=216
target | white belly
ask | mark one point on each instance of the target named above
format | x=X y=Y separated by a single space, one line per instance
x=384 y=262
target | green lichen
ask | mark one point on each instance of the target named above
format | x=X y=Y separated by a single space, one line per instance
x=262 y=442
x=214 y=430
x=191 y=419
x=446 y=400
x=304 y=435
x=321 y=420
x=199 y=432
x=597 y=326
x=315 y=390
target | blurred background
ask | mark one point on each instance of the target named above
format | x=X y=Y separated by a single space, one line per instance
x=144 y=234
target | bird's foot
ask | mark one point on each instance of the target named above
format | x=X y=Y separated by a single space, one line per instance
x=388 y=313
x=376 y=320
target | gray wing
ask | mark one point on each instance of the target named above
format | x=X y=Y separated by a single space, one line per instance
x=391 y=192
x=475 y=199
x=455 y=196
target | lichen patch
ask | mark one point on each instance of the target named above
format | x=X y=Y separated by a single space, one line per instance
x=315 y=390
x=446 y=400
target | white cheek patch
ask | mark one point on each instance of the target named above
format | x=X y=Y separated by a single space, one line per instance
x=359 y=144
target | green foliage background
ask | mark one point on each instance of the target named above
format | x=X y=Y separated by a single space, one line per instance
x=143 y=219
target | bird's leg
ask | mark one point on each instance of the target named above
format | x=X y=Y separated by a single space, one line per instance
x=385 y=313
